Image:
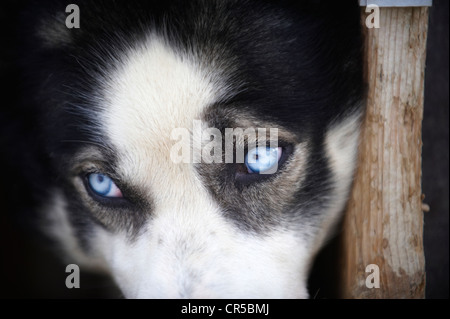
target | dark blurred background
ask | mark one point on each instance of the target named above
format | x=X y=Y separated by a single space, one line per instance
x=29 y=269
x=435 y=161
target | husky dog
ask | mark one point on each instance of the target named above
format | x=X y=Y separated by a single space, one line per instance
x=105 y=99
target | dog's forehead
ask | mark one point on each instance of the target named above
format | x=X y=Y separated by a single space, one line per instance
x=154 y=91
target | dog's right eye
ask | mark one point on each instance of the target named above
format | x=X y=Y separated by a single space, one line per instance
x=103 y=186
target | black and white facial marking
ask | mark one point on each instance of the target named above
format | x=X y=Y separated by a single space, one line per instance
x=121 y=83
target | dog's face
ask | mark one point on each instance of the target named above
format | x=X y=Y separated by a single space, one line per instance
x=114 y=95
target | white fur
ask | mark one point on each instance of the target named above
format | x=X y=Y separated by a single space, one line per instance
x=195 y=254
x=341 y=146
x=154 y=92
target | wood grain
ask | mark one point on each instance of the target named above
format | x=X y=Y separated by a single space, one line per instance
x=383 y=224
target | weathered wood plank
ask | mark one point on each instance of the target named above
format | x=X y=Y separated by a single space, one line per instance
x=384 y=220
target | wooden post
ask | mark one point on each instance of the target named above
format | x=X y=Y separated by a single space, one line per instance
x=384 y=219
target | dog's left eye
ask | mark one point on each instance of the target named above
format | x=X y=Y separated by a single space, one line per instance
x=103 y=185
x=263 y=160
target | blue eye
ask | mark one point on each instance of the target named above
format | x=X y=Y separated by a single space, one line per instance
x=103 y=185
x=263 y=160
